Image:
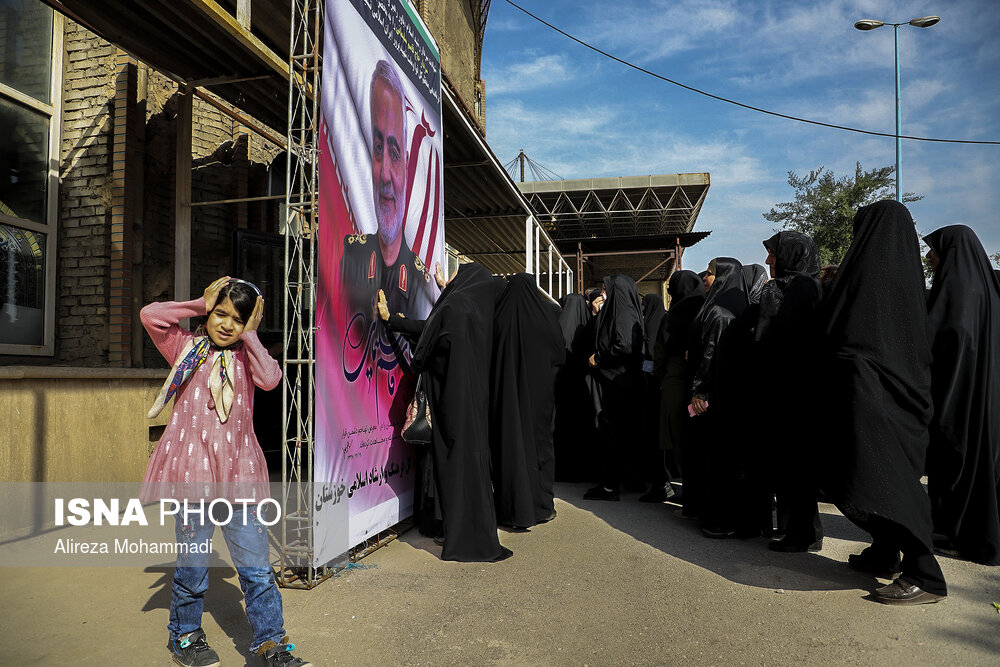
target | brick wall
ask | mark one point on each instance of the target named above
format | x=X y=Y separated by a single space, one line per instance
x=83 y=262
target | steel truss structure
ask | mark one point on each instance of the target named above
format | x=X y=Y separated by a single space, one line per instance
x=299 y=359
x=637 y=225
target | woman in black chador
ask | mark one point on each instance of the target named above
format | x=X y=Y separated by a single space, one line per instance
x=787 y=335
x=687 y=294
x=574 y=420
x=715 y=362
x=752 y=497
x=527 y=347
x=650 y=455
x=878 y=408
x=453 y=357
x=617 y=367
x=962 y=460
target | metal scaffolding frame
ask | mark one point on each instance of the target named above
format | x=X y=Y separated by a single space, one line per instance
x=296 y=569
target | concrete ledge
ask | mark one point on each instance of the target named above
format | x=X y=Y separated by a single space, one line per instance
x=80 y=373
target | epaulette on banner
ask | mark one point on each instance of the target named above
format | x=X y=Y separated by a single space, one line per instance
x=421 y=267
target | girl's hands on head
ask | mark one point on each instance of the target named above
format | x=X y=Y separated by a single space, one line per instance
x=256 y=316
x=212 y=292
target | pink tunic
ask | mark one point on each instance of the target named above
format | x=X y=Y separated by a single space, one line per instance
x=196 y=446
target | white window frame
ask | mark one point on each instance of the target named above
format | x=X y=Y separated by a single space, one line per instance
x=51 y=224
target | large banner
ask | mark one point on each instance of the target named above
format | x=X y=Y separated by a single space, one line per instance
x=381 y=221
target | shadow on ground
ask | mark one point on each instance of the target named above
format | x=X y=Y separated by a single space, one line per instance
x=747 y=562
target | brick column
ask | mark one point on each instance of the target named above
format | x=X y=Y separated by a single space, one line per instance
x=123 y=169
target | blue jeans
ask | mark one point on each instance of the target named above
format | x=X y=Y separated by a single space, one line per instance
x=246 y=538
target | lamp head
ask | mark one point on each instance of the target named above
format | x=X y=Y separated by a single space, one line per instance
x=869 y=24
x=925 y=21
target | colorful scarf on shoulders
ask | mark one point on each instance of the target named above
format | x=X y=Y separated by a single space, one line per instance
x=193 y=355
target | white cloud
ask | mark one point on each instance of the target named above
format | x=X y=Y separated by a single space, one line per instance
x=541 y=71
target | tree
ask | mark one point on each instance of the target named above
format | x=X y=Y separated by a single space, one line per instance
x=996 y=258
x=825 y=205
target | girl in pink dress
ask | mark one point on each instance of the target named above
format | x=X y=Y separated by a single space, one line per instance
x=210 y=445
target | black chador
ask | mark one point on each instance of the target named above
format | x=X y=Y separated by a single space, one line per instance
x=651 y=456
x=714 y=358
x=527 y=348
x=618 y=344
x=574 y=418
x=753 y=500
x=963 y=459
x=754 y=279
x=687 y=294
x=453 y=354
x=878 y=398
x=787 y=346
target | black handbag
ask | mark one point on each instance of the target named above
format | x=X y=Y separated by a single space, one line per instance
x=417 y=427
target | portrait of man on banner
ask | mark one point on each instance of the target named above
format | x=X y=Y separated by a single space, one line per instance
x=386 y=261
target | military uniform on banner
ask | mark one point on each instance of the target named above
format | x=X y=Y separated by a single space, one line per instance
x=407 y=283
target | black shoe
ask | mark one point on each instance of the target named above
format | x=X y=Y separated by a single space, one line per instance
x=191 y=650
x=600 y=493
x=868 y=565
x=280 y=655
x=657 y=494
x=902 y=592
x=717 y=532
x=788 y=546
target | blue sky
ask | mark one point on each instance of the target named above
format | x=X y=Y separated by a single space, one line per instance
x=582 y=115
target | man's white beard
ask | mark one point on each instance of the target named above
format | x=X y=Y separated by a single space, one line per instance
x=388 y=229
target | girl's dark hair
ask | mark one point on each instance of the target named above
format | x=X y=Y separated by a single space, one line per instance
x=243 y=296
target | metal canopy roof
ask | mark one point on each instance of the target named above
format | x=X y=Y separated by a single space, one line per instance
x=624 y=206
x=204 y=43
x=622 y=220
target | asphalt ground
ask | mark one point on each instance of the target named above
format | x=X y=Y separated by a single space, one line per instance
x=605 y=583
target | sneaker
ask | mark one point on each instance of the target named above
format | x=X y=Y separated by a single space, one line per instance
x=191 y=650
x=280 y=655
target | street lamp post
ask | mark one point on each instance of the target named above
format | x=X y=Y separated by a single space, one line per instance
x=872 y=24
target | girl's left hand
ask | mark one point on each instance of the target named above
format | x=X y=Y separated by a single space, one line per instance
x=256 y=316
